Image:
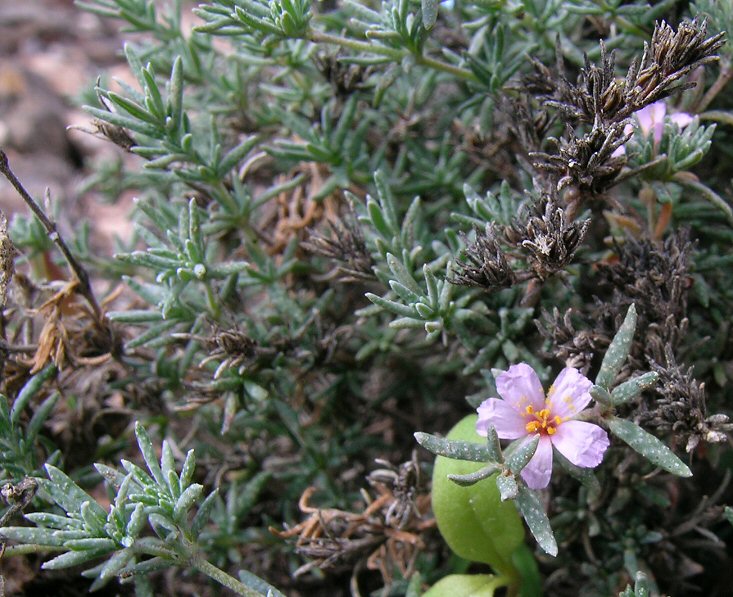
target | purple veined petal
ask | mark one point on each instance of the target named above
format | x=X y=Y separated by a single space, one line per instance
x=507 y=421
x=520 y=387
x=569 y=394
x=538 y=471
x=583 y=444
x=681 y=119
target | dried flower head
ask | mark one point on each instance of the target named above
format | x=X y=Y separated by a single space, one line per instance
x=670 y=56
x=346 y=246
x=345 y=78
x=112 y=132
x=484 y=263
x=679 y=407
x=593 y=162
x=598 y=97
x=549 y=239
x=571 y=343
x=654 y=276
x=7 y=259
x=590 y=163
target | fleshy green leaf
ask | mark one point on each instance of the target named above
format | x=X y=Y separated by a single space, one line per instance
x=508 y=487
x=601 y=395
x=618 y=350
x=531 y=508
x=430 y=13
x=493 y=445
x=204 y=512
x=456 y=449
x=258 y=584
x=472 y=478
x=30 y=389
x=521 y=456
x=473 y=520
x=33 y=535
x=148 y=452
x=648 y=446
x=71 y=558
x=584 y=475
x=466 y=585
x=188 y=498
x=111 y=567
x=632 y=389
x=69 y=495
x=100 y=544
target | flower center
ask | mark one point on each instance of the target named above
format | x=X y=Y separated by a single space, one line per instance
x=542 y=421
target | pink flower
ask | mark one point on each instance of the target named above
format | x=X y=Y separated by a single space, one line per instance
x=525 y=412
x=651 y=119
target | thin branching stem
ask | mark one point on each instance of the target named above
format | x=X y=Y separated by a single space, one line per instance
x=85 y=287
x=708 y=194
x=724 y=77
x=224 y=579
x=392 y=53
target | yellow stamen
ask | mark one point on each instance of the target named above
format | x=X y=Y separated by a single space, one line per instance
x=543 y=421
x=533 y=426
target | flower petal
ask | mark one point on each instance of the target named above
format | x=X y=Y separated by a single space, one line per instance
x=619 y=151
x=569 y=394
x=508 y=422
x=581 y=443
x=520 y=387
x=651 y=116
x=681 y=119
x=538 y=471
x=658 y=129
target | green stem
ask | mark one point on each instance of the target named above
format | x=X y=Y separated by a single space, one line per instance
x=726 y=72
x=224 y=197
x=224 y=579
x=456 y=71
x=629 y=27
x=718 y=116
x=276 y=190
x=213 y=303
x=708 y=194
x=396 y=55
x=360 y=46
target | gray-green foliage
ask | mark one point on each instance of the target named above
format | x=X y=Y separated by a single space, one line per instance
x=19 y=443
x=159 y=500
x=252 y=132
